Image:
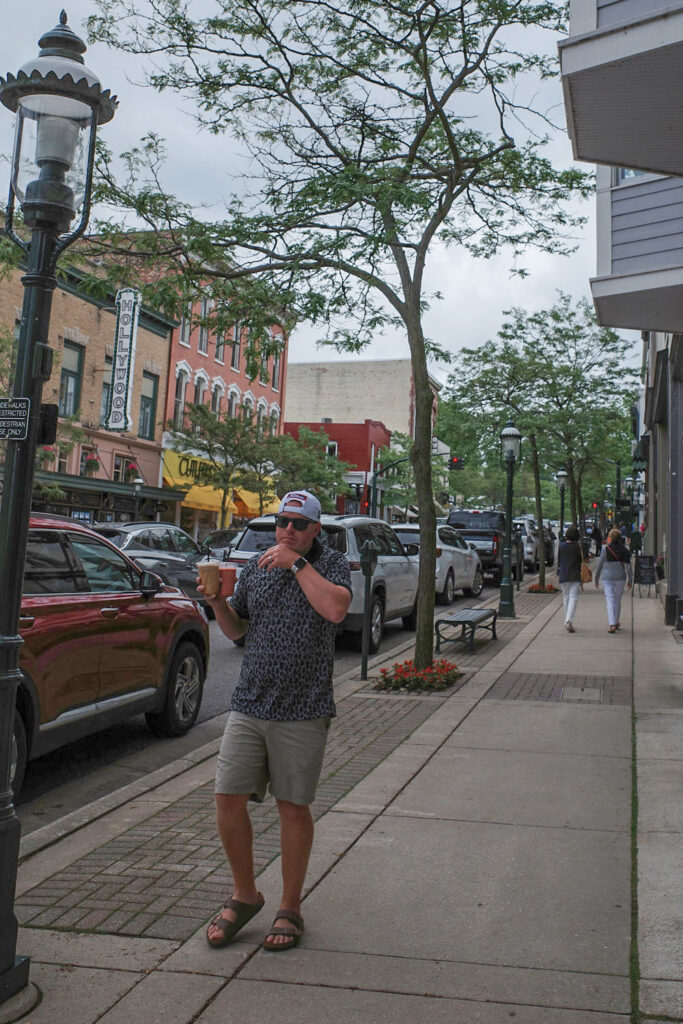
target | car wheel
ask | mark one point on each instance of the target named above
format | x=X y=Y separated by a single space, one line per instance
x=376 y=624
x=448 y=593
x=477 y=584
x=18 y=755
x=184 y=688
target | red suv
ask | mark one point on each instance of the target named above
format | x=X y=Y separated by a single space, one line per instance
x=102 y=641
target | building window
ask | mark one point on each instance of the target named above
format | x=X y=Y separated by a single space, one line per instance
x=62 y=461
x=273 y=422
x=70 y=380
x=332 y=449
x=204 y=328
x=248 y=411
x=89 y=463
x=199 y=391
x=236 y=339
x=106 y=388
x=186 y=326
x=179 y=401
x=624 y=174
x=275 y=379
x=216 y=396
x=119 y=470
x=233 y=404
x=220 y=347
x=148 y=405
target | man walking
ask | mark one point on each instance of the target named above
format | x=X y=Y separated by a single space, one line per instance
x=597 y=539
x=286 y=604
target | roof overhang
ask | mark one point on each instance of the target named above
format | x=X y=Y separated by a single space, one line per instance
x=623 y=93
x=646 y=301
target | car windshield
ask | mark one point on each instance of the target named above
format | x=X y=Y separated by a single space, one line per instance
x=260 y=538
x=477 y=520
x=115 y=536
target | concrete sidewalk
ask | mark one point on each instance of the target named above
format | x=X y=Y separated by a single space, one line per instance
x=473 y=861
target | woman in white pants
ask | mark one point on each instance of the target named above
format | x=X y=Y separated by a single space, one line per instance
x=615 y=569
x=569 y=575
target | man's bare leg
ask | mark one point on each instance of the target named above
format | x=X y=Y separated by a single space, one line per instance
x=296 y=841
x=234 y=828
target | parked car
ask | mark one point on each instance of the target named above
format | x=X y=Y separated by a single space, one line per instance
x=550 y=537
x=532 y=545
x=219 y=542
x=103 y=641
x=160 y=548
x=485 y=528
x=394 y=581
x=458 y=566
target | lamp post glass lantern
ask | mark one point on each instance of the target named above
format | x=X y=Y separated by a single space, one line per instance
x=58 y=103
x=511 y=453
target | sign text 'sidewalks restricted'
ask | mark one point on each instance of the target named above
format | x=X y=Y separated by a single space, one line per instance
x=14 y=416
x=128 y=310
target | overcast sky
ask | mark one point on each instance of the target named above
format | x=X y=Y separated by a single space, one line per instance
x=475 y=292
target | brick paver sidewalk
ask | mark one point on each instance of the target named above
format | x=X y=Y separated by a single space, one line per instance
x=164 y=877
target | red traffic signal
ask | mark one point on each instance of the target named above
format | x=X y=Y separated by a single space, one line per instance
x=456 y=462
x=595 y=504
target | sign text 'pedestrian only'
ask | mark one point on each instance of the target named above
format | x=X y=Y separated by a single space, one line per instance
x=14 y=416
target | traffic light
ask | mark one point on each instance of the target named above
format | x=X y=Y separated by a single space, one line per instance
x=595 y=504
x=456 y=462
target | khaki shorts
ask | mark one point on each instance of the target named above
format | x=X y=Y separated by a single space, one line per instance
x=286 y=757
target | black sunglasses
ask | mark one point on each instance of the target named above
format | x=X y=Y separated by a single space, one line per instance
x=299 y=524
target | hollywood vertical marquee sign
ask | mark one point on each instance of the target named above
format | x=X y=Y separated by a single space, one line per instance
x=127 y=313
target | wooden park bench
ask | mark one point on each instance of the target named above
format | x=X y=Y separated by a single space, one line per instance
x=468 y=619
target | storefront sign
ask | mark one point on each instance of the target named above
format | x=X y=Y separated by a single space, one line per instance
x=128 y=310
x=197 y=470
x=14 y=416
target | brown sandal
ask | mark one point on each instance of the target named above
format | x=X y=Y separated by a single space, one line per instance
x=293 y=936
x=244 y=912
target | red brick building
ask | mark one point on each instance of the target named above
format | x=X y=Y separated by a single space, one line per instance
x=357 y=444
x=210 y=368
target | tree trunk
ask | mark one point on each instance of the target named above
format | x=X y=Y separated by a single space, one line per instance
x=420 y=457
x=539 y=507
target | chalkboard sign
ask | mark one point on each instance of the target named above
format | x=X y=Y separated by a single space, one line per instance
x=645 y=570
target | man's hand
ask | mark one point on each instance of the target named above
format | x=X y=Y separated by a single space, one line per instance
x=278 y=557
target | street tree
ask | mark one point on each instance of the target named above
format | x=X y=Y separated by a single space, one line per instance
x=566 y=382
x=374 y=131
x=219 y=444
x=305 y=462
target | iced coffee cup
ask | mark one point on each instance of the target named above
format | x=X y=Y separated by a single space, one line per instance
x=228 y=574
x=209 y=573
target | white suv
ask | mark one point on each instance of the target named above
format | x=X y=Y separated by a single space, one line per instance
x=393 y=583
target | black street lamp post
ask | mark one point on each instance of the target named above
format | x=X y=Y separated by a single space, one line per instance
x=137 y=490
x=511 y=450
x=562 y=477
x=58 y=102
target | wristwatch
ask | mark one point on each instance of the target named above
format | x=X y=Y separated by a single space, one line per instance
x=298 y=564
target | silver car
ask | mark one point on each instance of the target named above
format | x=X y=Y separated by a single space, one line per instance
x=393 y=582
x=458 y=566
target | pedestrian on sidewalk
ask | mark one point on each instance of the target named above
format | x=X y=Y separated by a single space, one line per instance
x=615 y=568
x=286 y=604
x=596 y=537
x=569 y=574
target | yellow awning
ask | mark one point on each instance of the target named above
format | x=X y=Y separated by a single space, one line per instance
x=249 y=503
x=182 y=470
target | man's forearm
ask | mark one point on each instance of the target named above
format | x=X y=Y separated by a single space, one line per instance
x=329 y=599
x=229 y=621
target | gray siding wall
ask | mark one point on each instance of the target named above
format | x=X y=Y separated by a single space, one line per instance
x=610 y=12
x=647 y=225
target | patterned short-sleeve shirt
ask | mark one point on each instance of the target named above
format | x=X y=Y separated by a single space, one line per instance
x=288 y=659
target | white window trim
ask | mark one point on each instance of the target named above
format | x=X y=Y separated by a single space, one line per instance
x=201 y=374
x=183 y=368
x=218 y=382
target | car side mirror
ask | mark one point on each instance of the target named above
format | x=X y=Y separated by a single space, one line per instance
x=411 y=549
x=150 y=584
x=471 y=546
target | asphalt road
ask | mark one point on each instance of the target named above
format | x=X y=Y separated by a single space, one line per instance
x=81 y=772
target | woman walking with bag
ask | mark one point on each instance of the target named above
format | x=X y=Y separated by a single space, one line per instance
x=569 y=559
x=615 y=568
